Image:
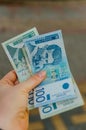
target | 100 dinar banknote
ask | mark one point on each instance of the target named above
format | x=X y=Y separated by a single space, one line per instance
x=47 y=52
x=49 y=110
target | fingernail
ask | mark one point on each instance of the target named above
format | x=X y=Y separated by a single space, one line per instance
x=42 y=74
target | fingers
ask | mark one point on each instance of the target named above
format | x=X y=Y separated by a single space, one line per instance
x=10 y=77
x=32 y=82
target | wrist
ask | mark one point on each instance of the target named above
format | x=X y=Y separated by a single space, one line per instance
x=18 y=123
x=7 y=123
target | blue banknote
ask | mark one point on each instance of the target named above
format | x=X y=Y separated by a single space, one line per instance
x=49 y=110
x=47 y=52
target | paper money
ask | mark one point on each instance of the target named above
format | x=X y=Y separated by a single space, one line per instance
x=58 y=93
x=13 y=49
x=49 y=110
x=46 y=52
x=27 y=60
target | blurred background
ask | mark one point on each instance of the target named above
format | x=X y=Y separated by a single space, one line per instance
x=50 y=15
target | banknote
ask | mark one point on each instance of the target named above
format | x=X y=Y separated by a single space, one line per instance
x=49 y=110
x=47 y=52
x=27 y=60
x=13 y=49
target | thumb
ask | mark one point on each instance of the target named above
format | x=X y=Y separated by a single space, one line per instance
x=32 y=82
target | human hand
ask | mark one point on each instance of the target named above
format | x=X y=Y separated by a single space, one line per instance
x=14 y=100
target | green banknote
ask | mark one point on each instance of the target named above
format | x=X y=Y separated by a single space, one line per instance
x=13 y=49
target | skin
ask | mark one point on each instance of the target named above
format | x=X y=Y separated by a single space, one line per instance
x=14 y=100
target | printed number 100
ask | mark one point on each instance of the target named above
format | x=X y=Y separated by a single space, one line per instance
x=40 y=95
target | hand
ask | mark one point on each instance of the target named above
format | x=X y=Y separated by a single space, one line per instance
x=14 y=100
